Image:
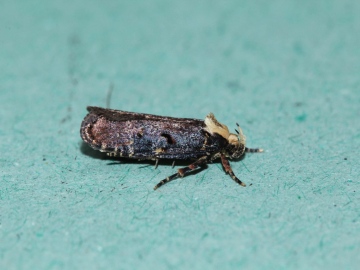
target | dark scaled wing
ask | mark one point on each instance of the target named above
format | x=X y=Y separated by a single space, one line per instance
x=146 y=136
x=119 y=116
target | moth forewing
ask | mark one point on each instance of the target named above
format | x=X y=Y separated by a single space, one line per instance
x=153 y=137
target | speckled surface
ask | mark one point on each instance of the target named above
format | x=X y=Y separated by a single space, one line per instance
x=287 y=71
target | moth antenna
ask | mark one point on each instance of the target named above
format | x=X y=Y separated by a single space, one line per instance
x=241 y=134
x=254 y=150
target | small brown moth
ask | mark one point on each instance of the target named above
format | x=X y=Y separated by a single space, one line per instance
x=145 y=136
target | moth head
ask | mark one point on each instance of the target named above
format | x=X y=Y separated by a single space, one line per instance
x=236 y=142
x=236 y=147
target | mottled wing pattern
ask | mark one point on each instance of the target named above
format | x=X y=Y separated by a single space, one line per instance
x=146 y=136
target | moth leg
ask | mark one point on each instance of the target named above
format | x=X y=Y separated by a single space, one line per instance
x=173 y=164
x=181 y=172
x=253 y=150
x=168 y=179
x=228 y=169
x=156 y=163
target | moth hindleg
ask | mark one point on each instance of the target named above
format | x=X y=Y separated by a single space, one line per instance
x=181 y=172
x=228 y=169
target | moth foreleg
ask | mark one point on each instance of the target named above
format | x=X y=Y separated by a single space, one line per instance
x=181 y=172
x=253 y=150
x=228 y=169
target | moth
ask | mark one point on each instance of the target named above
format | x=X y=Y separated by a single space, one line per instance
x=151 y=137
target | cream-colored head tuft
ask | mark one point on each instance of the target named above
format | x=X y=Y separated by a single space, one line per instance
x=213 y=126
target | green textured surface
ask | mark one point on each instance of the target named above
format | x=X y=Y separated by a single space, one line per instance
x=287 y=71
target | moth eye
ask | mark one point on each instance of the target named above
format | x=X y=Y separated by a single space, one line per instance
x=169 y=139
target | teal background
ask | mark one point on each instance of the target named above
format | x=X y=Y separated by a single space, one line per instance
x=287 y=71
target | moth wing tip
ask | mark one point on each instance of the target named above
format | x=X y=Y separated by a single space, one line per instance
x=90 y=108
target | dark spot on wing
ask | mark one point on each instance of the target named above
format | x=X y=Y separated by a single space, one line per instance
x=169 y=139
